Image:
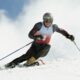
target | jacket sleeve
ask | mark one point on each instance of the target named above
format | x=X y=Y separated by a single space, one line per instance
x=62 y=31
x=36 y=28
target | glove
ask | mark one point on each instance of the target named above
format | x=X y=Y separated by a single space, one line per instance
x=71 y=37
x=38 y=37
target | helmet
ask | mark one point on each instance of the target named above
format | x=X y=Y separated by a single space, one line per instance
x=47 y=16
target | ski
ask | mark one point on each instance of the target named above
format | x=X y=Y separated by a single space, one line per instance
x=37 y=63
x=20 y=66
x=26 y=65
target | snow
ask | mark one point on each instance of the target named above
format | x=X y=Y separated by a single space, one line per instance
x=55 y=70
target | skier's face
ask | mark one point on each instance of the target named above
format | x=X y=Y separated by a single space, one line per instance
x=47 y=23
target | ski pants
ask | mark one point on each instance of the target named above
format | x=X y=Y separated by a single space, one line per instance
x=36 y=51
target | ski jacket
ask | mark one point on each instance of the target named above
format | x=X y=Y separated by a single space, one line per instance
x=46 y=32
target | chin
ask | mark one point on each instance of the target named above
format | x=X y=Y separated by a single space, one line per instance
x=48 y=26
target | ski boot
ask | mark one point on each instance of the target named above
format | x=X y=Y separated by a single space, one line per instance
x=33 y=64
x=10 y=65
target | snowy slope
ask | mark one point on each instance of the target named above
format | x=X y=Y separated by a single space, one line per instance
x=56 y=70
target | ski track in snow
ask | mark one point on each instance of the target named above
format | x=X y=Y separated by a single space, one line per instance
x=56 y=70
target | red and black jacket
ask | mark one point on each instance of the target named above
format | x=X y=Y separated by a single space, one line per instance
x=38 y=26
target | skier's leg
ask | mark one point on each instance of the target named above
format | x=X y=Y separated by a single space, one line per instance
x=16 y=61
x=21 y=58
x=43 y=51
x=31 y=62
x=39 y=51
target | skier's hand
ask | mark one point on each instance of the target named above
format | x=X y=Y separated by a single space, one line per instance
x=71 y=37
x=38 y=37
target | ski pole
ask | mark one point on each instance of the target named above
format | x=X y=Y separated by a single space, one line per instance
x=76 y=46
x=15 y=51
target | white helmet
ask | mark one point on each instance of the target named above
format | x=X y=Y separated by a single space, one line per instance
x=47 y=16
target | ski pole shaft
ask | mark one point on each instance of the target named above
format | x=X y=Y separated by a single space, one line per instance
x=76 y=46
x=15 y=51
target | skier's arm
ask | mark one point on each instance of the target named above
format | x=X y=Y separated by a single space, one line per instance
x=36 y=28
x=64 y=32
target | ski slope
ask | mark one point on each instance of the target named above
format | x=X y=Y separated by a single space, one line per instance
x=56 y=70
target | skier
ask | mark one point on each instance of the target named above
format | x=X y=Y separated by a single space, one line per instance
x=41 y=34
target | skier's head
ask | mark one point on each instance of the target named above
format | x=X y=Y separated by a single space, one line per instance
x=47 y=19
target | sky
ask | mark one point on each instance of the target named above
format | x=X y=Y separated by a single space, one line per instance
x=17 y=17
x=12 y=7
